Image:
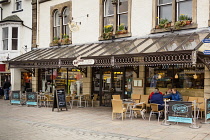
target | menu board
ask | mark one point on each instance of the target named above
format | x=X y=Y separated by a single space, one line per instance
x=180 y=111
x=15 y=97
x=59 y=101
x=31 y=98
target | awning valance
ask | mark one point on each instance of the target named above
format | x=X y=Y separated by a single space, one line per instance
x=154 y=50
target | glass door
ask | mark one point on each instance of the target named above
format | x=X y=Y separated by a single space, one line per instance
x=112 y=84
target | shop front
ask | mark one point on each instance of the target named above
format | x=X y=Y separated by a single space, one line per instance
x=116 y=67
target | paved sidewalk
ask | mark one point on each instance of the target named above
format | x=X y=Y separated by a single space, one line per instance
x=21 y=122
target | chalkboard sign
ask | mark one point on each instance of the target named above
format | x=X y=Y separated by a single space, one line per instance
x=31 y=98
x=15 y=97
x=59 y=101
x=180 y=111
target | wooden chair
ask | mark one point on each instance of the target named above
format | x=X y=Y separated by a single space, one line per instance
x=73 y=99
x=154 y=109
x=95 y=97
x=201 y=105
x=86 y=99
x=137 y=109
x=191 y=99
x=48 y=99
x=185 y=98
x=117 y=107
x=42 y=99
x=136 y=97
x=144 y=98
x=68 y=100
x=116 y=97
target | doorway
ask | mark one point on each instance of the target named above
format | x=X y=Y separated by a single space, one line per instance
x=112 y=83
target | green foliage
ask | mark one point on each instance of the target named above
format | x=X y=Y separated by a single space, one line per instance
x=184 y=17
x=108 y=28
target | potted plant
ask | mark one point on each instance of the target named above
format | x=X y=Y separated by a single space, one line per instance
x=121 y=29
x=56 y=40
x=182 y=21
x=108 y=31
x=65 y=39
x=163 y=23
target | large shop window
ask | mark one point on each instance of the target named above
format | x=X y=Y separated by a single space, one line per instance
x=179 y=13
x=71 y=80
x=187 y=80
x=116 y=17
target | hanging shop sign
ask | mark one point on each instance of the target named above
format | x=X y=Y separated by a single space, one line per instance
x=206 y=40
x=180 y=112
x=31 y=98
x=15 y=97
x=206 y=52
x=80 y=61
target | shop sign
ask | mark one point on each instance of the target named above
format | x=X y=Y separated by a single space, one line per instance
x=206 y=52
x=59 y=100
x=180 y=111
x=206 y=40
x=79 y=61
x=31 y=98
x=15 y=97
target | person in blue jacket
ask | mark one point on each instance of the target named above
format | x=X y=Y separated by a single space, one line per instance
x=175 y=95
x=157 y=98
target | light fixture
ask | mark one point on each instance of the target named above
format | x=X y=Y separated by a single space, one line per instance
x=195 y=76
x=159 y=76
x=176 y=76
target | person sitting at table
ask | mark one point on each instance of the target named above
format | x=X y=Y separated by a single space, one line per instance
x=155 y=91
x=169 y=91
x=157 y=98
x=175 y=95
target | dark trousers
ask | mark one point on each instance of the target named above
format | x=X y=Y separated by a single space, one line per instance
x=6 y=94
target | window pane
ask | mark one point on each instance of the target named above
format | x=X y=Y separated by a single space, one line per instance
x=5 y=33
x=56 y=19
x=166 y=12
x=14 y=44
x=109 y=9
x=123 y=19
x=185 y=8
x=14 y=32
x=123 y=6
x=66 y=16
x=5 y=44
x=108 y=20
x=165 y=1
x=66 y=29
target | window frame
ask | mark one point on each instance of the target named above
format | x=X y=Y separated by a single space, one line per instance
x=65 y=25
x=18 y=3
x=174 y=16
x=60 y=7
x=5 y=39
x=14 y=38
x=116 y=21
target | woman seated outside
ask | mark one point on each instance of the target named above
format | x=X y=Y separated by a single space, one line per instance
x=175 y=95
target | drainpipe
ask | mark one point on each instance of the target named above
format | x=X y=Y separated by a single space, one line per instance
x=37 y=24
x=1 y=12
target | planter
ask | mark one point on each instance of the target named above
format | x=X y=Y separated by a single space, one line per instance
x=107 y=35
x=188 y=22
x=122 y=32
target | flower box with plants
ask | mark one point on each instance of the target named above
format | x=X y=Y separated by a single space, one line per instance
x=183 y=20
x=122 y=29
x=163 y=23
x=65 y=39
x=56 y=41
x=108 y=31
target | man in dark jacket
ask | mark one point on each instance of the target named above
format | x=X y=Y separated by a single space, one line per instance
x=157 y=98
x=6 y=87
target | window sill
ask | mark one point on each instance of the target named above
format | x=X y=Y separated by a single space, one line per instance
x=192 y=26
x=17 y=11
x=60 y=44
x=116 y=36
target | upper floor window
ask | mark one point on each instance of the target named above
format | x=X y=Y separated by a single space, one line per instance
x=5 y=38
x=116 y=18
x=56 y=25
x=10 y=38
x=65 y=22
x=18 y=5
x=178 y=12
x=61 y=16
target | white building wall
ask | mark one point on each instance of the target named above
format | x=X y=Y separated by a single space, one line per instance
x=15 y=79
x=202 y=13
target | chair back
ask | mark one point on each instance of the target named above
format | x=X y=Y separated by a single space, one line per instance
x=116 y=97
x=95 y=96
x=117 y=106
x=154 y=107
x=185 y=98
x=201 y=102
x=136 y=97
x=86 y=97
x=73 y=96
x=144 y=98
x=191 y=99
x=68 y=98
